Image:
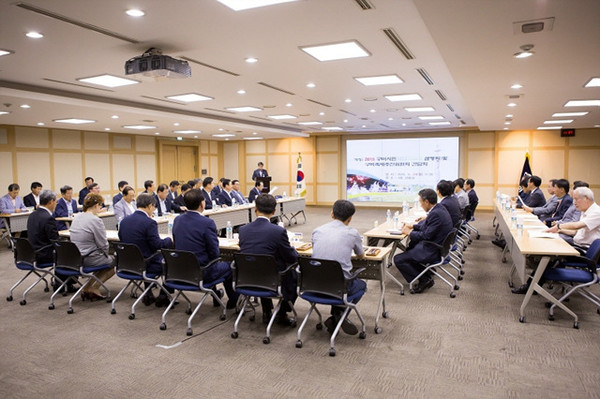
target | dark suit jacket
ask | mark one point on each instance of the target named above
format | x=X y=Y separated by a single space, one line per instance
x=224 y=198
x=61 y=211
x=435 y=228
x=473 y=200
x=82 y=194
x=169 y=201
x=253 y=194
x=41 y=228
x=451 y=204
x=142 y=231
x=215 y=192
x=154 y=195
x=198 y=234
x=565 y=203
x=29 y=200
x=536 y=198
x=167 y=206
x=117 y=198
x=178 y=203
x=207 y=199
x=259 y=173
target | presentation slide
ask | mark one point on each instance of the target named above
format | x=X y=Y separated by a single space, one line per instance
x=394 y=170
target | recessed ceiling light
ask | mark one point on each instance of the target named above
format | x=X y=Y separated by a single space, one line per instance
x=404 y=124
x=549 y=127
x=189 y=98
x=40 y=123
x=179 y=138
x=253 y=138
x=364 y=126
x=332 y=128
x=241 y=91
x=508 y=115
x=243 y=109
x=34 y=35
x=254 y=133
x=4 y=112
x=108 y=81
x=25 y=106
x=403 y=97
x=558 y=121
x=157 y=133
x=288 y=104
x=419 y=109
x=505 y=128
x=525 y=51
x=311 y=85
x=390 y=119
x=106 y=128
x=321 y=113
x=239 y=5
x=507 y=123
x=594 y=82
x=135 y=13
x=279 y=117
x=224 y=135
x=516 y=86
x=5 y=52
x=187 y=131
x=348 y=100
x=431 y=118
x=439 y=123
x=195 y=137
x=336 y=51
x=251 y=60
x=345 y=120
x=310 y=123
x=115 y=117
x=511 y=105
x=176 y=124
x=372 y=111
x=139 y=127
x=379 y=80
x=563 y=114
x=74 y=121
x=583 y=103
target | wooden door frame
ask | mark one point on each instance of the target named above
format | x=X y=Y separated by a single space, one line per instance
x=162 y=143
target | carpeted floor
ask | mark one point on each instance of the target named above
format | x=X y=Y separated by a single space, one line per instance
x=431 y=346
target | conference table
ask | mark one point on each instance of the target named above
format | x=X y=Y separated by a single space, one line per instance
x=108 y=218
x=13 y=223
x=532 y=241
x=374 y=265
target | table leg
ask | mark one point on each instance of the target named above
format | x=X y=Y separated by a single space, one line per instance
x=540 y=290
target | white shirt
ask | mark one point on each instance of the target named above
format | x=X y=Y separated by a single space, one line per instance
x=130 y=206
x=586 y=235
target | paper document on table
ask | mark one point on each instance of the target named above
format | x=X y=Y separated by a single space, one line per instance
x=394 y=231
x=542 y=234
x=535 y=227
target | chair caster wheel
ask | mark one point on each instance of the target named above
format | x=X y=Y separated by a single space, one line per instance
x=252 y=318
x=478 y=236
x=189 y=332
x=266 y=340
x=551 y=317
x=378 y=330
x=384 y=315
x=453 y=295
x=332 y=352
x=132 y=316
x=163 y=326
x=598 y=310
x=222 y=317
x=576 y=325
x=188 y=312
x=456 y=287
x=299 y=344
x=401 y=292
x=548 y=304
x=463 y=262
x=293 y=324
x=522 y=319
x=412 y=291
x=319 y=326
x=460 y=278
x=9 y=298
x=234 y=335
x=70 y=311
x=46 y=289
x=23 y=302
x=511 y=284
x=362 y=335
x=113 y=311
x=51 y=307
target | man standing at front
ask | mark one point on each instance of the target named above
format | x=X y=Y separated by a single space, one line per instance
x=261 y=237
x=336 y=240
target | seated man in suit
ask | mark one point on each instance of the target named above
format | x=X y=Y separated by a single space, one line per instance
x=85 y=190
x=536 y=196
x=196 y=233
x=122 y=184
x=65 y=206
x=207 y=186
x=41 y=230
x=258 y=187
x=561 y=191
x=545 y=211
x=260 y=172
x=225 y=197
x=473 y=198
x=163 y=206
x=436 y=226
x=523 y=192
x=141 y=230
x=94 y=188
x=587 y=229
x=11 y=202
x=571 y=214
x=172 y=194
x=236 y=193
x=178 y=204
x=150 y=188
x=217 y=189
x=33 y=198
x=449 y=201
x=461 y=195
x=126 y=206
x=336 y=240
x=264 y=238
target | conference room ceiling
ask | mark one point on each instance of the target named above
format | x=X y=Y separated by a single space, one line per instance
x=464 y=48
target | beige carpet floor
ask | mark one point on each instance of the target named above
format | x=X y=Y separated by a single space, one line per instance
x=431 y=346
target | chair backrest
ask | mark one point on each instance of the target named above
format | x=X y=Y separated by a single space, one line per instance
x=321 y=276
x=253 y=270
x=447 y=244
x=593 y=252
x=24 y=252
x=467 y=213
x=67 y=255
x=181 y=266
x=129 y=258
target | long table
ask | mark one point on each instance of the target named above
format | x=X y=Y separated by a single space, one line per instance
x=522 y=246
x=13 y=223
x=108 y=218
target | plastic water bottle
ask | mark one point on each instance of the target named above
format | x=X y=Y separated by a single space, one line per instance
x=388 y=216
x=416 y=204
x=155 y=212
x=284 y=194
x=513 y=217
x=229 y=231
x=233 y=202
x=170 y=227
x=519 y=226
x=110 y=207
x=405 y=208
x=396 y=219
x=498 y=196
x=70 y=212
x=214 y=204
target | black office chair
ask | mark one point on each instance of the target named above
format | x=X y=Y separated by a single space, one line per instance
x=184 y=273
x=131 y=266
x=444 y=260
x=25 y=260
x=258 y=276
x=323 y=282
x=69 y=262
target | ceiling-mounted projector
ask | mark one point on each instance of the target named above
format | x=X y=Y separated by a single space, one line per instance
x=156 y=65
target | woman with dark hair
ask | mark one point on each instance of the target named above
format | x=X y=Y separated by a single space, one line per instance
x=89 y=234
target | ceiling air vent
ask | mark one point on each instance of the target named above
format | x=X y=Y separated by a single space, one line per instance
x=533 y=26
x=364 y=4
x=440 y=95
x=347 y=112
x=316 y=102
x=514 y=96
x=425 y=76
x=276 y=88
x=209 y=66
x=389 y=32
x=450 y=107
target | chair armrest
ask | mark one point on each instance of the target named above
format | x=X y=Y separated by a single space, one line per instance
x=43 y=248
x=287 y=269
x=440 y=247
x=152 y=256
x=212 y=262
x=356 y=273
x=582 y=251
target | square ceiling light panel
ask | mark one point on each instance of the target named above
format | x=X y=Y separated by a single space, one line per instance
x=336 y=51
x=74 y=121
x=403 y=97
x=379 y=80
x=240 y=5
x=108 y=81
x=189 y=98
